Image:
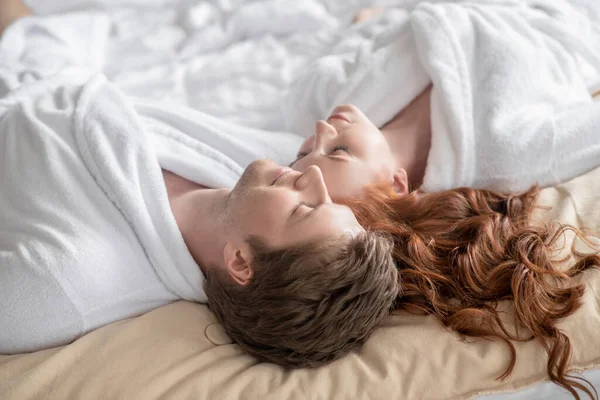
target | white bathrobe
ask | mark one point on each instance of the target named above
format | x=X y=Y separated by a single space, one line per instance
x=87 y=236
x=510 y=105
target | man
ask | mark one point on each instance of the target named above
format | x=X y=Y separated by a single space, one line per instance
x=102 y=218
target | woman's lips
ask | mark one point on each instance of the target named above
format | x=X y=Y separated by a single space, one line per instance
x=280 y=172
x=339 y=116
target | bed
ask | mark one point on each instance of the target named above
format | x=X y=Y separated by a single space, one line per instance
x=233 y=59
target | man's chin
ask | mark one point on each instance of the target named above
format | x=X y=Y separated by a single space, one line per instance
x=250 y=178
x=256 y=174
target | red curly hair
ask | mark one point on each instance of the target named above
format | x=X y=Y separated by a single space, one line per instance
x=461 y=251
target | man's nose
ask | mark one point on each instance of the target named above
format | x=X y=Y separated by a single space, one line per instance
x=312 y=186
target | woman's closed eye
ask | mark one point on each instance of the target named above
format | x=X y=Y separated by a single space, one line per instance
x=339 y=148
x=301 y=154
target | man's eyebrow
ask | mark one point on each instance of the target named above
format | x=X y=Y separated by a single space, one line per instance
x=308 y=214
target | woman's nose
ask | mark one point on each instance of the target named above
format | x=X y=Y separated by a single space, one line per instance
x=323 y=131
x=312 y=185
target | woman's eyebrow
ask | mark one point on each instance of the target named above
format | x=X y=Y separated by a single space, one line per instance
x=333 y=158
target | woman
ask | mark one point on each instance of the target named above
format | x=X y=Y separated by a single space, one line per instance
x=463 y=251
x=493 y=96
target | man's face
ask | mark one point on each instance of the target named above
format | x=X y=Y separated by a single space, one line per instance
x=350 y=151
x=285 y=208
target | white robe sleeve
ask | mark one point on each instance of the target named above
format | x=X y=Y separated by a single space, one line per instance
x=87 y=236
x=511 y=105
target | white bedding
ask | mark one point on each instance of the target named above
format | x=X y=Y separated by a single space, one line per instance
x=233 y=58
x=229 y=58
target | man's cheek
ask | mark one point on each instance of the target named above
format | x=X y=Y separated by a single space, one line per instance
x=268 y=225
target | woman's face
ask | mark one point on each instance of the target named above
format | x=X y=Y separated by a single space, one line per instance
x=350 y=151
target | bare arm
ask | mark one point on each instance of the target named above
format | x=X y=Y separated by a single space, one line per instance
x=10 y=11
x=366 y=13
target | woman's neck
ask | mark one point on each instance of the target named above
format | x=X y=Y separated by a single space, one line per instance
x=409 y=137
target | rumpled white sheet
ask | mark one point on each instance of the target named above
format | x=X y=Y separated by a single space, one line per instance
x=233 y=59
x=215 y=152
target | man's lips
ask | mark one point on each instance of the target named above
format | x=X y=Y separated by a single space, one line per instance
x=339 y=116
x=280 y=172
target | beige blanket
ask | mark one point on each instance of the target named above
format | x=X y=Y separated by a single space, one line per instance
x=179 y=351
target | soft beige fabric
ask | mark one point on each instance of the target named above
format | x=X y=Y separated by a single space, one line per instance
x=168 y=352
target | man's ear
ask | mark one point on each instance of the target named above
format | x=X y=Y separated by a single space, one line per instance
x=237 y=261
x=401 y=181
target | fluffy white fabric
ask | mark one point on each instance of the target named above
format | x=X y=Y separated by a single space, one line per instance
x=207 y=150
x=381 y=76
x=233 y=59
x=511 y=104
x=87 y=235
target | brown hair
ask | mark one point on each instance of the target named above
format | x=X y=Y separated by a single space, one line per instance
x=308 y=305
x=460 y=252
